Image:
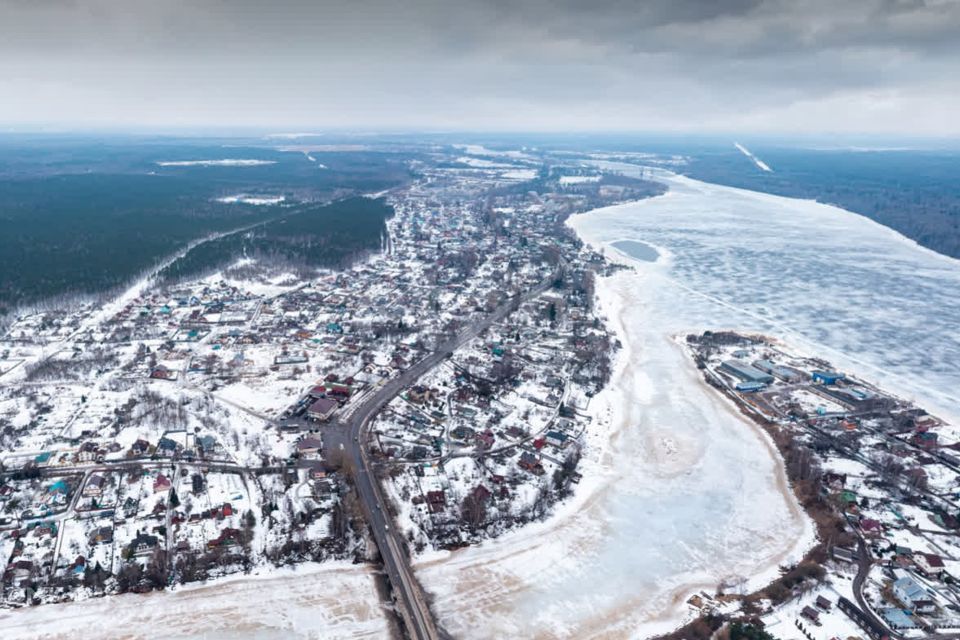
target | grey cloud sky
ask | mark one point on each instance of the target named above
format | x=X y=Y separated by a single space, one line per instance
x=885 y=66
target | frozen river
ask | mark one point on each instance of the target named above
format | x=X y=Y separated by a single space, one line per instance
x=819 y=276
x=686 y=493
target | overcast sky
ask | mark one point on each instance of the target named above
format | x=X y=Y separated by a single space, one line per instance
x=786 y=66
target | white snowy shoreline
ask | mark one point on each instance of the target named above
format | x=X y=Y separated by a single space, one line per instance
x=328 y=600
x=669 y=611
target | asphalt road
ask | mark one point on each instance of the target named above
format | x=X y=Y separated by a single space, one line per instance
x=864 y=563
x=396 y=561
x=352 y=435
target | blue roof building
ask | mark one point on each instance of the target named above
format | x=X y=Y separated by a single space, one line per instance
x=911 y=594
x=897 y=618
x=60 y=486
x=827 y=377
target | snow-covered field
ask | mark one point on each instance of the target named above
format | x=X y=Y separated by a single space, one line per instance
x=566 y=180
x=686 y=493
x=226 y=162
x=335 y=600
x=244 y=198
x=519 y=174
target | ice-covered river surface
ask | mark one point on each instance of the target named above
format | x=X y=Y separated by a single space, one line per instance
x=683 y=492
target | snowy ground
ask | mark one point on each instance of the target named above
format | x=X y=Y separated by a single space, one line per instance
x=228 y=162
x=757 y=161
x=244 y=198
x=566 y=180
x=684 y=495
x=333 y=600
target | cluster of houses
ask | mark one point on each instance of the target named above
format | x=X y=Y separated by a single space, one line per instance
x=89 y=450
x=889 y=469
x=233 y=382
x=491 y=438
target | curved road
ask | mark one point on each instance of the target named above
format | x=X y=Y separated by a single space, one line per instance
x=413 y=604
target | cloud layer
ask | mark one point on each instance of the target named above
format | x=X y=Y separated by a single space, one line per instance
x=886 y=66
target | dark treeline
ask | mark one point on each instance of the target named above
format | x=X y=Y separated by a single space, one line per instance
x=330 y=235
x=66 y=234
x=914 y=192
x=82 y=217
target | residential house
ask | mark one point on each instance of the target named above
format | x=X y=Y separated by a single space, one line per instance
x=461 y=433
x=309 y=446
x=913 y=596
x=929 y=564
x=139 y=448
x=530 y=462
x=322 y=409
x=101 y=535
x=811 y=614
x=161 y=483
x=207 y=445
x=18 y=572
x=338 y=390
x=315 y=470
x=143 y=544
x=94 y=487
x=485 y=439
x=871 y=528
x=436 y=501
x=925 y=440
x=162 y=372
x=130 y=507
x=557 y=438
x=167 y=447
x=481 y=494
x=228 y=537
x=88 y=452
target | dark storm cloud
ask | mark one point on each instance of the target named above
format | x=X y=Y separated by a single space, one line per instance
x=777 y=64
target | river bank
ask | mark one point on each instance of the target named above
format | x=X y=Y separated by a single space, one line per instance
x=680 y=493
x=332 y=600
